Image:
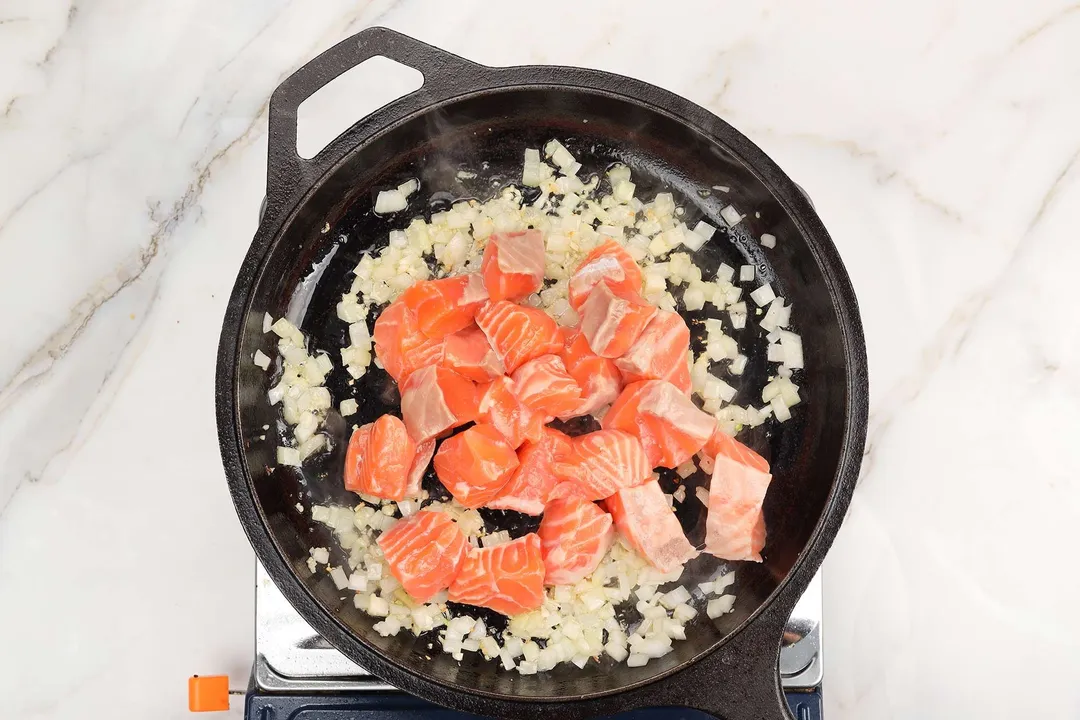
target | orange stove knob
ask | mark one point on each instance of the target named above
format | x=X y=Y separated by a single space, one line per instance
x=208 y=693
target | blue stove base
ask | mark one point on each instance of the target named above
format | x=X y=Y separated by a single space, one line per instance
x=399 y=706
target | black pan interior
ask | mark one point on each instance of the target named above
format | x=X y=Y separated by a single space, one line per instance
x=309 y=266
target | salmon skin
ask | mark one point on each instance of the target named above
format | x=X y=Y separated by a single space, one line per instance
x=378 y=459
x=575 y=534
x=735 y=526
x=507 y=578
x=424 y=552
x=643 y=517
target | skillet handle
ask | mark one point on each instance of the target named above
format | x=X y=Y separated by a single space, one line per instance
x=445 y=74
x=749 y=665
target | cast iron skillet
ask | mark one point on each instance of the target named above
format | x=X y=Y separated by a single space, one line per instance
x=464 y=116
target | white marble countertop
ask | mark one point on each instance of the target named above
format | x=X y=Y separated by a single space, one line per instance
x=939 y=141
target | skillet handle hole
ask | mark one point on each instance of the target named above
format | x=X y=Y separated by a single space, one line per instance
x=351 y=96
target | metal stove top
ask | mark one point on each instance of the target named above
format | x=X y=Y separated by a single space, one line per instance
x=291 y=657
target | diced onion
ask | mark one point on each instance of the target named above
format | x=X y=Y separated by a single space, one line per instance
x=793 y=351
x=675 y=597
x=780 y=409
x=746 y=273
x=692 y=241
x=378 y=607
x=261 y=359
x=704 y=230
x=720 y=606
x=768 y=240
x=687 y=469
x=723 y=582
x=390 y=201
x=497 y=538
x=288 y=456
x=730 y=215
x=763 y=295
x=286 y=330
x=618 y=172
x=777 y=316
x=738 y=365
x=623 y=191
x=694 y=298
x=702 y=494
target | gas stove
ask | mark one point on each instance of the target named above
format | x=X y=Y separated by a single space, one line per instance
x=296 y=669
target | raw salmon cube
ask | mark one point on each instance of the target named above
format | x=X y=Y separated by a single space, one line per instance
x=609 y=264
x=424 y=452
x=424 y=552
x=544 y=385
x=518 y=333
x=668 y=423
x=435 y=399
x=447 y=305
x=605 y=461
x=503 y=409
x=565 y=487
x=378 y=459
x=599 y=378
x=611 y=322
x=507 y=578
x=659 y=353
x=513 y=265
x=529 y=486
x=644 y=518
x=735 y=527
x=400 y=346
x=475 y=464
x=468 y=353
x=575 y=535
